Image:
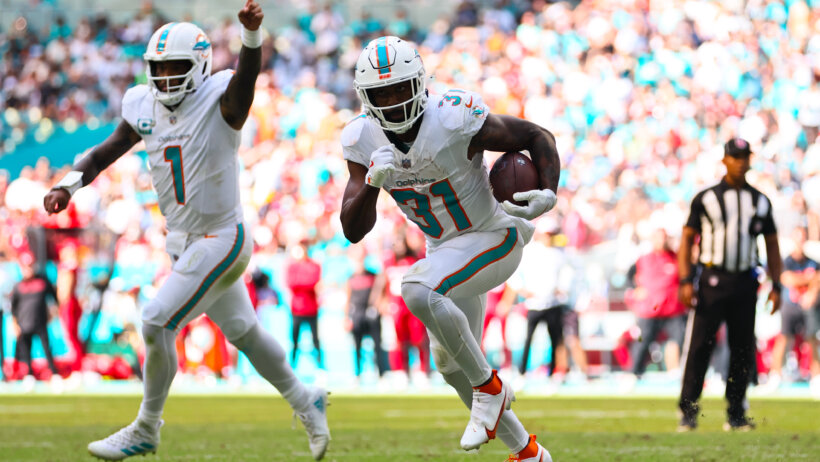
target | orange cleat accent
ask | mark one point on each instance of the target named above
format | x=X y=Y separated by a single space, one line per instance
x=532 y=452
x=493 y=387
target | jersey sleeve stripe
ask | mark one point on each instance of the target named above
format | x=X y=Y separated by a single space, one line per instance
x=206 y=284
x=479 y=262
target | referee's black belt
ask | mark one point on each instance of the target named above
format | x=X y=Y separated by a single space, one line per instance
x=719 y=269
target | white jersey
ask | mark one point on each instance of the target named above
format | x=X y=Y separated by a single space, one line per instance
x=191 y=155
x=435 y=184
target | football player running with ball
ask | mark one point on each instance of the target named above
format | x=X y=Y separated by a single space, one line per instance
x=427 y=152
x=190 y=122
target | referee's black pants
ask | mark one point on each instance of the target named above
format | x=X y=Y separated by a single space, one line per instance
x=729 y=297
x=554 y=317
x=312 y=322
x=24 y=343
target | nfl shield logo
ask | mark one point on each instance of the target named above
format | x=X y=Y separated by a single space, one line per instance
x=405 y=163
x=172 y=119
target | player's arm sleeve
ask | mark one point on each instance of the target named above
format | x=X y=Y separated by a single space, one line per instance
x=352 y=146
x=221 y=80
x=463 y=112
x=353 y=155
x=695 y=212
x=130 y=109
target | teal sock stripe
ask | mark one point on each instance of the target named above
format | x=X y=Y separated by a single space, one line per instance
x=478 y=263
x=215 y=273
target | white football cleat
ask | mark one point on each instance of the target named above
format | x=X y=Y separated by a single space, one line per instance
x=541 y=454
x=315 y=421
x=484 y=415
x=135 y=439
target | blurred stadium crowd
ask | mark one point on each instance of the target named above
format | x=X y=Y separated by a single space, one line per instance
x=640 y=96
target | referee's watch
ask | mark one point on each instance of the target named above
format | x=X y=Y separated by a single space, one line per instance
x=777 y=286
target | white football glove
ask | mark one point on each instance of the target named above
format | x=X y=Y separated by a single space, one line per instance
x=381 y=164
x=539 y=202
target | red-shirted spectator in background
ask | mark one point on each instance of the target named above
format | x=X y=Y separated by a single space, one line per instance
x=410 y=331
x=654 y=300
x=70 y=309
x=302 y=277
x=494 y=311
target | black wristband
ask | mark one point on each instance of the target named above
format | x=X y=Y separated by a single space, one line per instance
x=687 y=280
x=776 y=286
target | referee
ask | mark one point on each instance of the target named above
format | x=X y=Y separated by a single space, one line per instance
x=728 y=217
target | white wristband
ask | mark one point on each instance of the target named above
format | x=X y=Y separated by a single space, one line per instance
x=251 y=38
x=71 y=182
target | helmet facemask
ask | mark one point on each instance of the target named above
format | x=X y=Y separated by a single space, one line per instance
x=173 y=94
x=413 y=107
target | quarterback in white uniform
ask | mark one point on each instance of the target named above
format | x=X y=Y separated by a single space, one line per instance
x=426 y=151
x=190 y=122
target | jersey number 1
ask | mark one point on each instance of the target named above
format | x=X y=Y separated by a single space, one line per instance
x=173 y=154
x=431 y=225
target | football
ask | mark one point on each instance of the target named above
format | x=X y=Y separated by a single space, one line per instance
x=511 y=173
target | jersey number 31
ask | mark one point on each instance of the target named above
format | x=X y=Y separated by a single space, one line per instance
x=429 y=223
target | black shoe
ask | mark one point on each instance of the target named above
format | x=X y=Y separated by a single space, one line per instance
x=740 y=424
x=687 y=424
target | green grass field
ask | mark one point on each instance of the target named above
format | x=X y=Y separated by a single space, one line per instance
x=242 y=428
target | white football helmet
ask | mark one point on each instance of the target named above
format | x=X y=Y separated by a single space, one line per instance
x=387 y=61
x=178 y=41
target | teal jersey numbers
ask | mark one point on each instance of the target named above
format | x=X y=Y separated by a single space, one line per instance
x=421 y=207
x=445 y=190
x=173 y=155
x=429 y=224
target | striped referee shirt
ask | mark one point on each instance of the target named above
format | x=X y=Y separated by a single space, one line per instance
x=729 y=220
